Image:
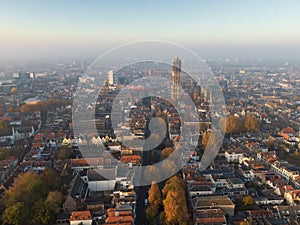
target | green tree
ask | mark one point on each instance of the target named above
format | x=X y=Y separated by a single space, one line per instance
x=248 y=200
x=154 y=156
x=26 y=189
x=16 y=214
x=42 y=212
x=31 y=198
x=3 y=153
x=246 y=203
x=3 y=124
x=50 y=180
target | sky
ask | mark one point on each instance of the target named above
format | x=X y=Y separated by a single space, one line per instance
x=214 y=28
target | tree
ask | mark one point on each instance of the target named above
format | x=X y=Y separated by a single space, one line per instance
x=175 y=203
x=270 y=141
x=246 y=203
x=167 y=152
x=3 y=124
x=3 y=153
x=175 y=208
x=155 y=201
x=42 y=212
x=25 y=108
x=27 y=189
x=230 y=124
x=205 y=139
x=14 y=91
x=245 y=223
x=154 y=156
x=65 y=153
x=55 y=197
x=250 y=123
x=10 y=109
x=17 y=214
x=248 y=200
x=154 y=195
x=31 y=200
x=50 y=180
x=152 y=218
x=175 y=183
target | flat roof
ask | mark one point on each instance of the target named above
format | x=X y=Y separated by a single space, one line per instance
x=212 y=201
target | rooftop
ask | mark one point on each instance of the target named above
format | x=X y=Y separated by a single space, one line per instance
x=80 y=215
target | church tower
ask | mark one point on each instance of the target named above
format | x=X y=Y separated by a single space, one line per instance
x=176 y=78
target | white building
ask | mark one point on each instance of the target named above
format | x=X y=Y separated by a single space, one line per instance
x=233 y=155
x=110 y=77
x=101 y=180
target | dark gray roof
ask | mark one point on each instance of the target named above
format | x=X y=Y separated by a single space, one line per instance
x=79 y=188
x=101 y=174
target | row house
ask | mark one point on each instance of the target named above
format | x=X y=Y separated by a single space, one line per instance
x=210 y=216
x=81 y=217
x=285 y=170
x=121 y=214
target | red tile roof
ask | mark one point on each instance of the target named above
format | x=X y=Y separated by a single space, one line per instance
x=288 y=130
x=80 y=215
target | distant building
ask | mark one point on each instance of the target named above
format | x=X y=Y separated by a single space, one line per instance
x=33 y=101
x=110 y=77
x=8 y=86
x=176 y=78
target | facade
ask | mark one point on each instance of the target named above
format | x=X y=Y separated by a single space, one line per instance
x=101 y=180
x=233 y=155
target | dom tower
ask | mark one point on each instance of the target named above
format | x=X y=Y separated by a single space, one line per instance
x=176 y=78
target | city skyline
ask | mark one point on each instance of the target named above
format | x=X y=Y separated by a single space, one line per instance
x=248 y=29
